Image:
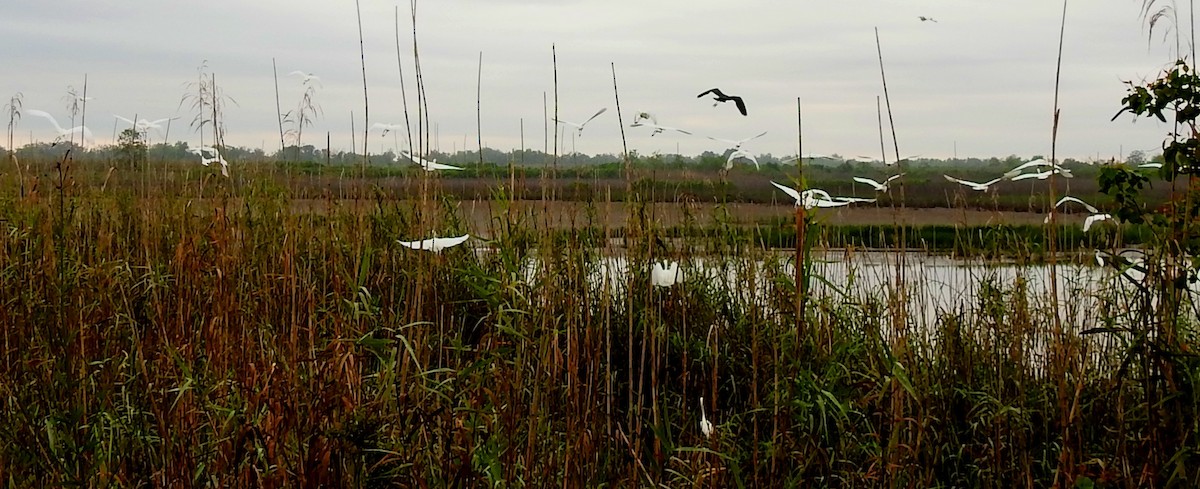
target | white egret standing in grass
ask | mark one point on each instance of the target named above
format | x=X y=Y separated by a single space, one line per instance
x=706 y=427
x=435 y=245
x=427 y=165
x=579 y=126
x=972 y=185
x=84 y=132
x=878 y=186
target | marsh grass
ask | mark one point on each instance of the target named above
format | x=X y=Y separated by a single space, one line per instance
x=234 y=340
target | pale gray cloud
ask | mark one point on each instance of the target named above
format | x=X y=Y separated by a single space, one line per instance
x=980 y=79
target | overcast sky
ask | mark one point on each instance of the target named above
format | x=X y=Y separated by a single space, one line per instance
x=979 y=81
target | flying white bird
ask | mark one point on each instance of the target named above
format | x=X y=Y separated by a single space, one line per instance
x=853 y=200
x=737 y=144
x=426 y=164
x=305 y=77
x=1094 y=218
x=141 y=125
x=579 y=127
x=664 y=274
x=973 y=186
x=640 y=116
x=215 y=158
x=1150 y=165
x=879 y=187
x=84 y=132
x=706 y=427
x=1086 y=205
x=435 y=245
x=737 y=153
x=811 y=198
x=1041 y=175
x=386 y=127
x=653 y=124
x=1037 y=163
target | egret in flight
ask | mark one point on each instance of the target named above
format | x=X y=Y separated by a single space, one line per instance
x=972 y=185
x=664 y=274
x=305 y=77
x=579 y=127
x=811 y=198
x=738 y=153
x=84 y=133
x=878 y=186
x=435 y=245
x=737 y=144
x=427 y=165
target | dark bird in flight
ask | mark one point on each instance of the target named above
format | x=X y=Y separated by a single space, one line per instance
x=721 y=97
x=926 y=19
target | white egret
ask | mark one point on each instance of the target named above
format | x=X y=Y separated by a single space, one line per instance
x=706 y=427
x=1150 y=165
x=579 y=127
x=305 y=77
x=386 y=127
x=1041 y=175
x=738 y=153
x=435 y=245
x=972 y=185
x=1037 y=163
x=1133 y=268
x=853 y=200
x=664 y=274
x=141 y=125
x=878 y=186
x=1068 y=198
x=811 y=198
x=215 y=158
x=427 y=165
x=737 y=144
x=84 y=132
x=657 y=129
x=1094 y=218
x=720 y=96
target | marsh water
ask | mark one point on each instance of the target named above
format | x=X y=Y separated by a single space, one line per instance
x=930 y=289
